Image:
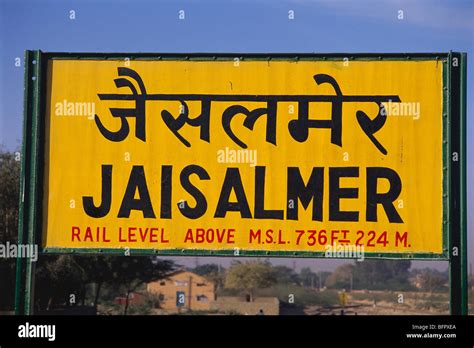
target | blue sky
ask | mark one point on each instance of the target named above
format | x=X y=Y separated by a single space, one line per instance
x=228 y=26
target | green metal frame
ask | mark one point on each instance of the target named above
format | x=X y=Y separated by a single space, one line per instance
x=458 y=266
x=463 y=182
x=232 y=252
x=29 y=183
x=30 y=209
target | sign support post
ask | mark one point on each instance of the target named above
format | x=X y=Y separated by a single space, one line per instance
x=458 y=273
x=27 y=225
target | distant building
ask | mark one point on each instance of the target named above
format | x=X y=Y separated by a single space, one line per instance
x=183 y=290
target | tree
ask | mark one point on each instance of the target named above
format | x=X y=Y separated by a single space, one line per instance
x=98 y=270
x=250 y=276
x=309 y=279
x=341 y=277
x=59 y=280
x=432 y=280
x=133 y=271
x=9 y=199
x=205 y=269
x=60 y=277
x=382 y=274
x=9 y=194
x=286 y=275
x=212 y=273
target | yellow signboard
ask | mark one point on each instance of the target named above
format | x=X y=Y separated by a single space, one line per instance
x=286 y=157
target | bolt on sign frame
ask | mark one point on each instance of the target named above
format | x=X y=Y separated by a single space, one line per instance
x=453 y=227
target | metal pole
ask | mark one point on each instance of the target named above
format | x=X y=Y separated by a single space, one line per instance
x=463 y=206
x=457 y=186
x=27 y=219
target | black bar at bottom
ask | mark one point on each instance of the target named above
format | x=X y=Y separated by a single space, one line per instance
x=195 y=330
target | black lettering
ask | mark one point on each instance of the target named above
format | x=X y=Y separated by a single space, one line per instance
x=233 y=181
x=297 y=190
x=201 y=203
x=336 y=193
x=260 y=211
x=106 y=196
x=136 y=182
x=166 y=190
x=385 y=199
